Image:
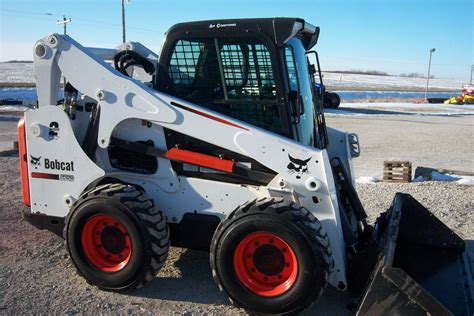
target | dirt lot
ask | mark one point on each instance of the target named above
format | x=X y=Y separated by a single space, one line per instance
x=37 y=277
x=430 y=141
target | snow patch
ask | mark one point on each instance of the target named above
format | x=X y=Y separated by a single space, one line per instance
x=366 y=180
x=13 y=108
x=400 y=109
x=466 y=180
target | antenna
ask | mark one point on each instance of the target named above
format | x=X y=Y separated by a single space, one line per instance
x=64 y=21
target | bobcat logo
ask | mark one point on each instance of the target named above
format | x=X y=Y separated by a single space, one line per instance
x=36 y=161
x=298 y=166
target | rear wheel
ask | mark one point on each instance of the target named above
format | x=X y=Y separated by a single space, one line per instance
x=271 y=256
x=116 y=238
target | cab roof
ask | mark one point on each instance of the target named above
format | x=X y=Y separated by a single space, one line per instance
x=279 y=30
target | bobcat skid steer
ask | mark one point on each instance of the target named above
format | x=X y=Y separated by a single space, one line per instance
x=220 y=144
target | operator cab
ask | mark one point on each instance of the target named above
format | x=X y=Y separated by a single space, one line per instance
x=254 y=70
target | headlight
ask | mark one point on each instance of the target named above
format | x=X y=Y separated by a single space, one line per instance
x=354 y=146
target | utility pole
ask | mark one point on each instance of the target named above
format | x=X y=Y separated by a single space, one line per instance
x=64 y=22
x=428 y=78
x=123 y=21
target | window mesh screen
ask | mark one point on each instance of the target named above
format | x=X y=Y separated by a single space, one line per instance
x=248 y=71
x=183 y=62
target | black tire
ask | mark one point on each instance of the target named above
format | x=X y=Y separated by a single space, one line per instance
x=336 y=100
x=139 y=223
x=327 y=100
x=293 y=224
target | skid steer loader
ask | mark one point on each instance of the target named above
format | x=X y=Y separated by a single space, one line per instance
x=220 y=144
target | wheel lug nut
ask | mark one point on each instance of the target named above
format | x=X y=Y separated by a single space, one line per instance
x=283 y=249
x=99 y=246
x=116 y=224
x=120 y=256
x=287 y=265
x=252 y=270
x=97 y=232
x=265 y=279
x=256 y=243
x=271 y=241
x=104 y=224
x=108 y=255
x=249 y=255
x=280 y=276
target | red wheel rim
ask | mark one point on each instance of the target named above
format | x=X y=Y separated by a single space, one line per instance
x=106 y=243
x=265 y=264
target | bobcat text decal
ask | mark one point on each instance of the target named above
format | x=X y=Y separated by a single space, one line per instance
x=52 y=164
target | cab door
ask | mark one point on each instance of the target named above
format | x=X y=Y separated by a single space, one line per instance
x=301 y=94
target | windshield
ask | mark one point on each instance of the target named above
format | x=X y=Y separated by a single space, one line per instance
x=233 y=76
x=310 y=126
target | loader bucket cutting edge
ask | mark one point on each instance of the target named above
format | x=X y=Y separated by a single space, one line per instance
x=423 y=267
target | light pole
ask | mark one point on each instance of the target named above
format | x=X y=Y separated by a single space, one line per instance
x=472 y=70
x=428 y=78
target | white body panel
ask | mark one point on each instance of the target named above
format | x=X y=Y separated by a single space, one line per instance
x=47 y=145
x=123 y=101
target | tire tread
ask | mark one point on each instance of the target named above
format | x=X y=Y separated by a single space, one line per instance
x=293 y=212
x=156 y=230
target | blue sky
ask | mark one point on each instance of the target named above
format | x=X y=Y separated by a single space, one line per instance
x=388 y=35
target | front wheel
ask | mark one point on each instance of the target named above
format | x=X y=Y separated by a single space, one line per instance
x=271 y=256
x=116 y=238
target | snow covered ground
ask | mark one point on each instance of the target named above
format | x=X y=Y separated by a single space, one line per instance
x=465 y=180
x=400 y=108
x=17 y=72
x=13 y=108
x=345 y=81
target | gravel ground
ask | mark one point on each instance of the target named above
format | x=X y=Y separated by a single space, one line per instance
x=36 y=274
x=429 y=141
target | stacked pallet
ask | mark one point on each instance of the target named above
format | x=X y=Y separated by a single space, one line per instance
x=397 y=171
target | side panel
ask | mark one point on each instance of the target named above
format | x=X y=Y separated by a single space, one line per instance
x=59 y=170
x=195 y=195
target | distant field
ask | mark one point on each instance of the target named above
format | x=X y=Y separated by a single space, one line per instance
x=22 y=75
x=16 y=73
x=336 y=81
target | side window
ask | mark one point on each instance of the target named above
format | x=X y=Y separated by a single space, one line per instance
x=291 y=67
x=183 y=62
x=193 y=71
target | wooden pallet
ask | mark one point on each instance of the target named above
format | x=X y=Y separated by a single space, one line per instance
x=397 y=171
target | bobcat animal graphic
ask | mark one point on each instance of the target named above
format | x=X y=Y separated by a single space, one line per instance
x=36 y=161
x=298 y=166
